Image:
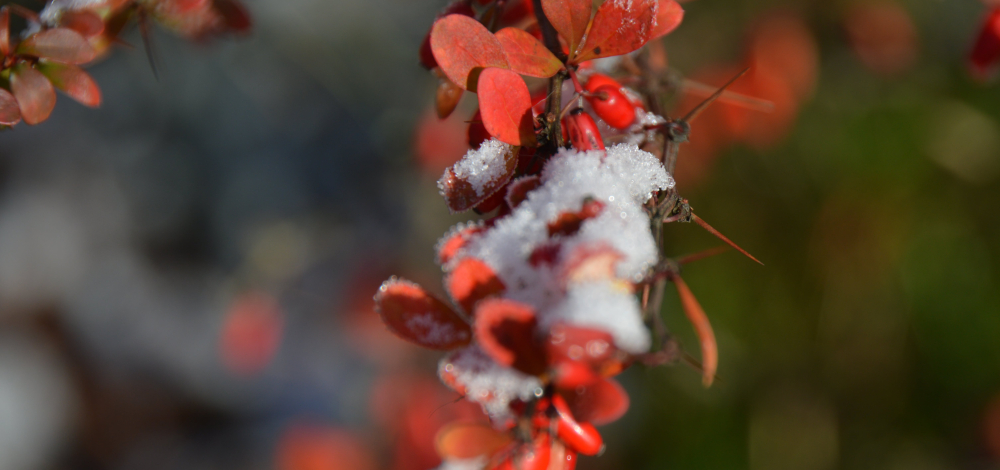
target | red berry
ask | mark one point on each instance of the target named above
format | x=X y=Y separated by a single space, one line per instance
x=598 y=80
x=612 y=106
x=582 y=131
x=986 y=52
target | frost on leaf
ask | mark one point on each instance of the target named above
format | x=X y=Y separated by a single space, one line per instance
x=478 y=175
x=451 y=245
x=413 y=314
x=619 y=27
x=475 y=374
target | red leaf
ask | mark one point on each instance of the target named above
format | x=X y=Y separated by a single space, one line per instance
x=447 y=97
x=505 y=104
x=619 y=27
x=472 y=280
x=73 y=81
x=469 y=440
x=87 y=23
x=527 y=56
x=455 y=240
x=58 y=44
x=517 y=190
x=34 y=93
x=985 y=53
x=668 y=17
x=568 y=223
x=505 y=330
x=600 y=403
x=569 y=18
x=464 y=185
x=696 y=315
x=463 y=47
x=251 y=333
x=415 y=315
x=4 y=31
x=9 y=113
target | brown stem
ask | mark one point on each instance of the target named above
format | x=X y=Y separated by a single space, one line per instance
x=549 y=35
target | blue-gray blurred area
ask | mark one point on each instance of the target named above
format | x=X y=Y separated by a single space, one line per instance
x=281 y=164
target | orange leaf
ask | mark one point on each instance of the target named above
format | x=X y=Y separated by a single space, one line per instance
x=4 y=31
x=527 y=56
x=58 y=44
x=619 y=27
x=463 y=47
x=505 y=330
x=469 y=440
x=668 y=17
x=696 y=315
x=569 y=18
x=415 y=315
x=87 y=23
x=472 y=280
x=455 y=240
x=505 y=105
x=9 y=113
x=34 y=93
x=73 y=81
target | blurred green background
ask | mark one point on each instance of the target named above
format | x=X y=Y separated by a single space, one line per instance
x=283 y=164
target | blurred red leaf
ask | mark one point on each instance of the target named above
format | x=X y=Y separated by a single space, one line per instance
x=314 y=447
x=527 y=56
x=251 y=333
x=9 y=112
x=599 y=403
x=985 y=53
x=668 y=17
x=505 y=330
x=73 y=81
x=415 y=315
x=34 y=93
x=469 y=440
x=234 y=14
x=568 y=223
x=87 y=23
x=505 y=105
x=461 y=195
x=472 y=280
x=58 y=44
x=463 y=47
x=4 y=31
x=619 y=27
x=703 y=328
x=438 y=143
x=569 y=18
x=517 y=190
x=447 y=97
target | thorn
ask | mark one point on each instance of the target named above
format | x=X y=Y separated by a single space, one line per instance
x=704 y=104
x=722 y=237
x=706 y=337
x=729 y=97
x=147 y=42
x=703 y=254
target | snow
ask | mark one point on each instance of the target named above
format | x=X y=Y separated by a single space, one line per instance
x=54 y=10
x=490 y=384
x=475 y=463
x=433 y=331
x=483 y=168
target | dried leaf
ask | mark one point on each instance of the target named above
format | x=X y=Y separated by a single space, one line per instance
x=4 y=31
x=472 y=280
x=469 y=440
x=703 y=328
x=668 y=17
x=34 y=93
x=505 y=329
x=619 y=27
x=234 y=15
x=527 y=56
x=463 y=190
x=415 y=315
x=463 y=48
x=569 y=18
x=73 y=81
x=505 y=105
x=85 y=22
x=9 y=112
x=58 y=44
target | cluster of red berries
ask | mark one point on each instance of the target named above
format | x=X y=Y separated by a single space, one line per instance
x=68 y=34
